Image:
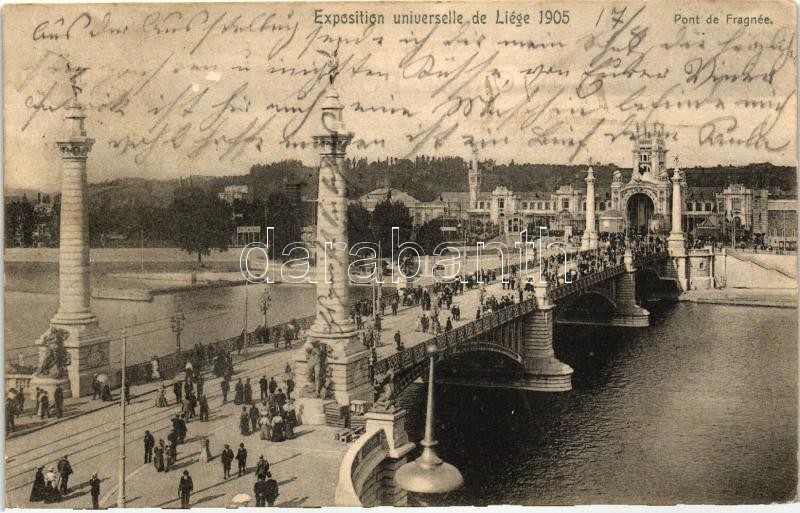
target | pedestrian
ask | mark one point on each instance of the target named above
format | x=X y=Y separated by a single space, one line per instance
x=263 y=385
x=161 y=399
x=185 y=488
x=158 y=456
x=50 y=487
x=177 y=389
x=200 y=383
x=254 y=414
x=266 y=426
x=289 y=386
x=149 y=443
x=290 y=420
x=260 y=491
x=38 y=492
x=96 y=388
x=11 y=407
x=64 y=471
x=58 y=401
x=155 y=373
x=241 y=459
x=127 y=393
x=238 y=396
x=244 y=422
x=226 y=457
x=182 y=430
x=273 y=385
x=262 y=467
x=272 y=490
x=248 y=392
x=397 y=342
x=44 y=405
x=203 y=408
x=225 y=386
x=280 y=399
x=107 y=393
x=94 y=484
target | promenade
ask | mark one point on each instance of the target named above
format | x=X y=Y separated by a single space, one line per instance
x=306 y=467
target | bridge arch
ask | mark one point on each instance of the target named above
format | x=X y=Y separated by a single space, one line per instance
x=420 y=368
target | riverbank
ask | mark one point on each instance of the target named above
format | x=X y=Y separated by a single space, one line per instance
x=776 y=298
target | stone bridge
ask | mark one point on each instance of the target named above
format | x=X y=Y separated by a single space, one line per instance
x=522 y=333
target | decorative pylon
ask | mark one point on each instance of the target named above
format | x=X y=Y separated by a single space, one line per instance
x=87 y=348
x=589 y=239
x=676 y=242
x=333 y=332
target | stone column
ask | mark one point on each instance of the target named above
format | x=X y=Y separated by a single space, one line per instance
x=74 y=323
x=543 y=372
x=676 y=241
x=589 y=239
x=333 y=332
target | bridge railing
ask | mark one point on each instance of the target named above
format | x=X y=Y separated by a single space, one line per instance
x=448 y=340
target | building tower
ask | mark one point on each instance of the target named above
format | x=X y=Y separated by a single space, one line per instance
x=335 y=360
x=474 y=180
x=74 y=331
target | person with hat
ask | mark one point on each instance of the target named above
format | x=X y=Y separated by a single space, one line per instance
x=241 y=459
x=38 y=492
x=244 y=422
x=185 y=488
x=260 y=491
x=44 y=405
x=58 y=401
x=271 y=492
x=262 y=467
x=226 y=457
x=94 y=483
x=64 y=471
x=50 y=488
x=149 y=443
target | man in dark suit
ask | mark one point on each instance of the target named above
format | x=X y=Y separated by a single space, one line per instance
x=177 y=389
x=272 y=490
x=241 y=458
x=185 y=489
x=263 y=384
x=260 y=491
x=149 y=443
x=227 y=458
x=64 y=471
x=58 y=400
x=94 y=483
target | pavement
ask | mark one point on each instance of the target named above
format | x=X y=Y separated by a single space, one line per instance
x=306 y=467
x=780 y=298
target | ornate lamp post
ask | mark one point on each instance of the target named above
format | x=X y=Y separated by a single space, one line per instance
x=428 y=474
x=265 y=301
x=177 y=327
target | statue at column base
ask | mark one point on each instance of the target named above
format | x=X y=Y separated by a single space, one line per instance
x=386 y=394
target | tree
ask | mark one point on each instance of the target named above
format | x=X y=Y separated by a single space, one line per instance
x=20 y=221
x=359 y=224
x=387 y=215
x=200 y=222
x=285 y=216
x=430 y=235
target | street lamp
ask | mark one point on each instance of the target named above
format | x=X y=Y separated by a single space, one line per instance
x=177 y=327
x=121 y=477
x=265 y=302
x=428 y=474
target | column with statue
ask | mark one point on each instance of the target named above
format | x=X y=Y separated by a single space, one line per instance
x=73 y=348
x=332 y=363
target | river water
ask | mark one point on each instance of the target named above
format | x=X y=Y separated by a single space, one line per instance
x=699 y=408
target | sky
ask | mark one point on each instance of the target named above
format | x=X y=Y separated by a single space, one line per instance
x=212 y=89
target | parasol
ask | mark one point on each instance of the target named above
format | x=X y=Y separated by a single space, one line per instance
x=102 y=378
x=240 y=500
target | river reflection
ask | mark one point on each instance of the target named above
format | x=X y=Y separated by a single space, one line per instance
x=699 y=408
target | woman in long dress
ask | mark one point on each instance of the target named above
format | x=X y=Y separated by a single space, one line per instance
x=38 y=490
x=169 y=452
x=277 y=429
x=51 y=490
x=265 y=426
x=161 y=398
x=290 y=421
x=238 y=397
